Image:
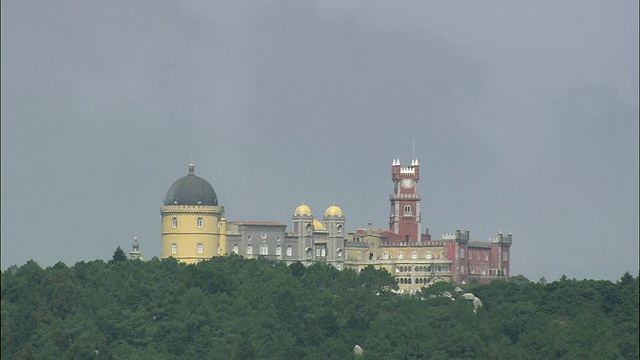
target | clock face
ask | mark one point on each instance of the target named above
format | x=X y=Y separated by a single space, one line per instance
x=407 y=183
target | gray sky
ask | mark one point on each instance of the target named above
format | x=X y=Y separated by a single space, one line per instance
x=524 y=117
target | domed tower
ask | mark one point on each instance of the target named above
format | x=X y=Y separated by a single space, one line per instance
x=193 y=225
x=303 y=227
x=334 y=222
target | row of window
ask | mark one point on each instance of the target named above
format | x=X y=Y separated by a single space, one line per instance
x=429 y=268
x=199 y=222
x=264 y=250
x=414 y=255
x=505 y=255
x=420 y=281
x=199 y=248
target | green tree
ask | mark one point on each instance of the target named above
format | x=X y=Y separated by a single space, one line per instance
x=118 y=255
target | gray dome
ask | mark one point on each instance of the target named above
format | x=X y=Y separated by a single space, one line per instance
x=191 y=190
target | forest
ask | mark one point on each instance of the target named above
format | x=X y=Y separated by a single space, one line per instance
x=235 y=308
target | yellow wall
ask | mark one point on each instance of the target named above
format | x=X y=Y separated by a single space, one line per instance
x=186 y=235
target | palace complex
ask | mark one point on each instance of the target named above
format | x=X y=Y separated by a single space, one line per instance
x=194 y=228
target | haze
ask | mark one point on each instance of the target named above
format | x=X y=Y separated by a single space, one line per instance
x=524 y=117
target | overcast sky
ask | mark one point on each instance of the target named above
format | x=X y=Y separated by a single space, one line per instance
x=524 y=117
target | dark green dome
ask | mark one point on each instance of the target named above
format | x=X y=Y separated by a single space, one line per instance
x=191 y=190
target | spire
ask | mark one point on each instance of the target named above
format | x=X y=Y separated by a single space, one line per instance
x=192 y=168
x=135 y=249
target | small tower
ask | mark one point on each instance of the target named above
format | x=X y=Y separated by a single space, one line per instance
x=334 y=223
x=303 y=227
x=405 y=219
x=500 y=245
x=135 y=249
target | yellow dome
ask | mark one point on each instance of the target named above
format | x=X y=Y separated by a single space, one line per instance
x=317 y=226
x=302 y=210
x=333 y=211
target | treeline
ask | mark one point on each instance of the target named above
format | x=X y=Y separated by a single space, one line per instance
x=233 y=308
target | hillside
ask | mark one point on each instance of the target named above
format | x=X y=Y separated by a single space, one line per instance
x=233 y=308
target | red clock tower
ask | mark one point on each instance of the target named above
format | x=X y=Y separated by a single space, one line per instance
x=404 y=220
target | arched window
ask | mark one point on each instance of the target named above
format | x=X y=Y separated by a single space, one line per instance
x=199 y=248
x=442 y=255
x=323 y=252
x=174 y=222
x=309 y=253
x=289 y=250
x=339 y=253
x=428 y=256
x=174 y=248
x=278 y=250
x=414 y=255
x=385 y=255
x=339 y=228
x=309 y=228
x=407 y=209
x=249 y=250
x=461 y=253
x=234 y=249
x=200 y=222
x=486 y=257
x=470 y=255
x=264 y=249
x=400 y=255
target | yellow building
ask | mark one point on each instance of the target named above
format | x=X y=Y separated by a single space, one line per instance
x=193 y=225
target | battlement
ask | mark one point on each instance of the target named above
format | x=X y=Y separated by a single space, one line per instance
x=500 y=238
x=408 y=170
x=405 y=196
x=456 y=236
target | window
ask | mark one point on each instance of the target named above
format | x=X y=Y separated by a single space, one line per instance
x=278 y=250
x=505 y=256
x=289 y=250
x=462 y=269
x=407 y=210
x=442 y=255
x=249 y=250
x=339 y=251
x=263 y=235
x=470 y=255
x=200 y=222
x=174 y=248
x=359 y=255
x=219 y=250
x=174 y=222
x=428 y=256
x=323 y=252
x=264 y=249
x=317 y=251
x=486 y=257
x=234 y=249
x=385 y=255
x=199 y=248
x=308 y=228
x=414 y=255
x=339 y=228
x=478 y=256
x=400 y=255
x=461 y=253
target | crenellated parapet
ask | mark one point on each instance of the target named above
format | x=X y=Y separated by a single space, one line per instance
x=412 y=171
x=457 y=236
x=504 y=240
